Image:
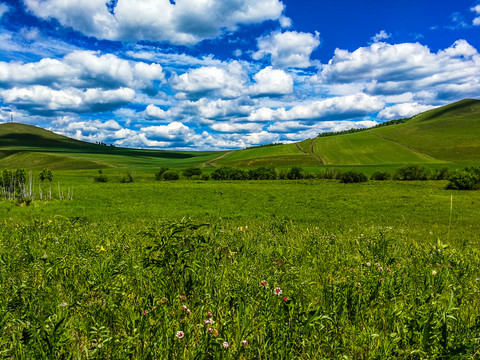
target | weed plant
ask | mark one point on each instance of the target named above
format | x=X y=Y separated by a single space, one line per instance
x=74 y=289
x=267 y=270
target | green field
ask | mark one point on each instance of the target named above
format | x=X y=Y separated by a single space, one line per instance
x=87 y=277
x=275 y=269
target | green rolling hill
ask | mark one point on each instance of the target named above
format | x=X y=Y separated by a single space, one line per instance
x=446 y=135
x=36 y=148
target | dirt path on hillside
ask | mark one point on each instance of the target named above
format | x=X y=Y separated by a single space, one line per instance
x=314 y=153
x=212 y=162
x=299 y=148
x=405 y=146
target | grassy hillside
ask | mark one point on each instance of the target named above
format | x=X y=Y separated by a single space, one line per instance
x=33 y=147
x=446 y=135
x=449 y=134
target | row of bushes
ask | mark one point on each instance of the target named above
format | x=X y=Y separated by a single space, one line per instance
x=467 y=179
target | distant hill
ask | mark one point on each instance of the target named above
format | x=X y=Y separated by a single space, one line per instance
x=448 y=134
x=36 y=148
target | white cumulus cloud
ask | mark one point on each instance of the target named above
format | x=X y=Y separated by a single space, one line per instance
x=335 y=108
x=185 y=22
x=44 y=99
x=403 y=110
x=476 y=9
x=271 y=82
x=387 y=69
x=382 y=35
x=226 y=82
x=288 y=49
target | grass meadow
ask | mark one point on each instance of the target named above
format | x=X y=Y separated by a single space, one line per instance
x=309 y=269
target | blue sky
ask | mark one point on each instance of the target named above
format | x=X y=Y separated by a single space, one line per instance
x=229 y=74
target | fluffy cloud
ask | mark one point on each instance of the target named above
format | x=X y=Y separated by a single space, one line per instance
x=476 y=9
x=184 y=22
x=236 y=128
x=3 y=9
x=42 y=99
x=270 y=82
x=346 y=107
x=288 y=49
x=155 y=112
x=382 y=35
x=403 y=111
x=296 y=131
x=395 y=69
x=201 y=81
x=83 y=69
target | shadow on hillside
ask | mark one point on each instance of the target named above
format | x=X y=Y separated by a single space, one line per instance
x=456 y=109
x=37 y=143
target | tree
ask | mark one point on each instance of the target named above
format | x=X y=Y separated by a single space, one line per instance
x=46 y=174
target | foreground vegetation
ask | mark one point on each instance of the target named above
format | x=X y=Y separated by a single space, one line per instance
x=262 y=269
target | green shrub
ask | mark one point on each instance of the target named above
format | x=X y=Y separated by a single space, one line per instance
x=352 y=176
x=46 y=174
x=262 y=173
x=170 y=175
x=190 y=172
x=229 y=173
x=128 y=178
x=101 y=177
x=463 y=180
x=158 y=175
x=411 y=172
x=381 y=175
x=440 y=174
x=295 y=173
x=329 y=174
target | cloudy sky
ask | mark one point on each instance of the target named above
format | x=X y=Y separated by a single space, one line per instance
x=228 y=74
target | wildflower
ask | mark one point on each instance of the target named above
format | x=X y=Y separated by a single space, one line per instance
x=225 y=345
x=183 y=297
x=209 y=321
x=144 y=312
x=388 y=269
x=434 y=272
x=244 y=343
x=264 y=283
x=277 y=291
x=478 y=279
x=380 y=269
x=382 y=279
x=180 y=334
x=209 y=330
x=102 y=248
x=368 y=264
x=358 y=284
x=188 y=311
x=56 y=242
x=154 y=308
x=184 y=307
x=285 y=299
x=377 y=264
x=164 y=300
x=63 y=304
x=209 y=314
